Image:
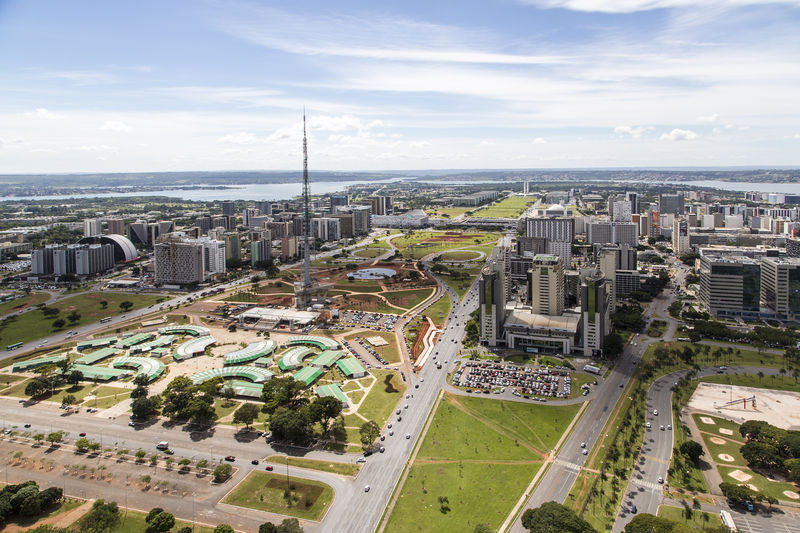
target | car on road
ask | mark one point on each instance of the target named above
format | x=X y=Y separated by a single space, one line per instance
x=268 y=468
x=230 y=458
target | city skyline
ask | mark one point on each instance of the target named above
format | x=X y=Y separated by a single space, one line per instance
x=527 y=84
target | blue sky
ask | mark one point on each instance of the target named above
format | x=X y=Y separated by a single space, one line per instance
x=94 y=86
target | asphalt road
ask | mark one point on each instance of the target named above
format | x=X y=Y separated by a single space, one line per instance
x=557 y=482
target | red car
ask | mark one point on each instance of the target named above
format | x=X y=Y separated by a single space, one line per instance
x=269 y=468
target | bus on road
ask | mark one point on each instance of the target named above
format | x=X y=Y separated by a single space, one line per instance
x=13 y=346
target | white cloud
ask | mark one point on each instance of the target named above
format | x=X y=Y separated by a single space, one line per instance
x=240 y=138
x=678 y=135
x=635 y=132
x=41 y=112
x=538 y=140
x=631 y=6
x=708 y=119
x=115 y=125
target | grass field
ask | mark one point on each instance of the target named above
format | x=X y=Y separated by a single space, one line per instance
x=480 y=455
x=34 y=325
x=418 y=244
x=383 y=396
x=439 y=311
x=697 y=521
x=509 y=207
x=344 y=469
x=29 y=300
x=369 y=303
x=408 y=299
x=461 y=255
x=133 y=522
x=265 y=492
x=460 y=279
x=657 y=328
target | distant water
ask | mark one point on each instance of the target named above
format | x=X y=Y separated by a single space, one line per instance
x=247 y=192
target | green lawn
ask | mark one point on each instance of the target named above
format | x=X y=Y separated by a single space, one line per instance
x=439 y=311
x=764 y=485
x=480 y=454
x=34 y=325
x=29 y=300
x=418 y=244
x=265 y=492
x=369 y=252
x=133 y=522
x=509 y=207
x=461 y=255
x=408 y=299
x=657 y=328
x=368 y=303
x=384 y=395
x=460 y=279
x=697 y=521
x=785 y=383
x=334 y=467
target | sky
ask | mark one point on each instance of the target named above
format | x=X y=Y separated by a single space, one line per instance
x=98 y=86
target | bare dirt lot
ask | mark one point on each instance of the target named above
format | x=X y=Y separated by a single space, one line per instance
x=779 y=408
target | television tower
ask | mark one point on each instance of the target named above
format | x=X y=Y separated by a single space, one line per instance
x=306 y=213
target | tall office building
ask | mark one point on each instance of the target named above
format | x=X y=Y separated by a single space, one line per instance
x=116 y=226
x=233 y=246
x=381 y=205
x=680 y=236
x=92 y=227
x=595 y=311
x=633 y=198
x=361 y=219
x=546 y=285
x=780 y=287
x=260 y=251
x=607 y=261
x=671 y=203
x=730 y=286
x=492 y=302
x=228 y=208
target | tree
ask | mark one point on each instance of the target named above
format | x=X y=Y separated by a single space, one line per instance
x=291 y=425
x=222 y=472
x=282 y=392
x=69 y=399
x=223 y=528
x=246 y=414
x=552 y=517
x=692 y=450
x=101 y=518
x=324 y=409
x=369 y=432
x=159 y=522
x=125 y=305
x=74 y=377
x=37 y=387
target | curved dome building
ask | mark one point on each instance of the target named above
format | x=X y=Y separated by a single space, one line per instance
x=124 y=250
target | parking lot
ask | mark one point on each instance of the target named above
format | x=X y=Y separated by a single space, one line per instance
x=525 y=381
x=375 y=321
